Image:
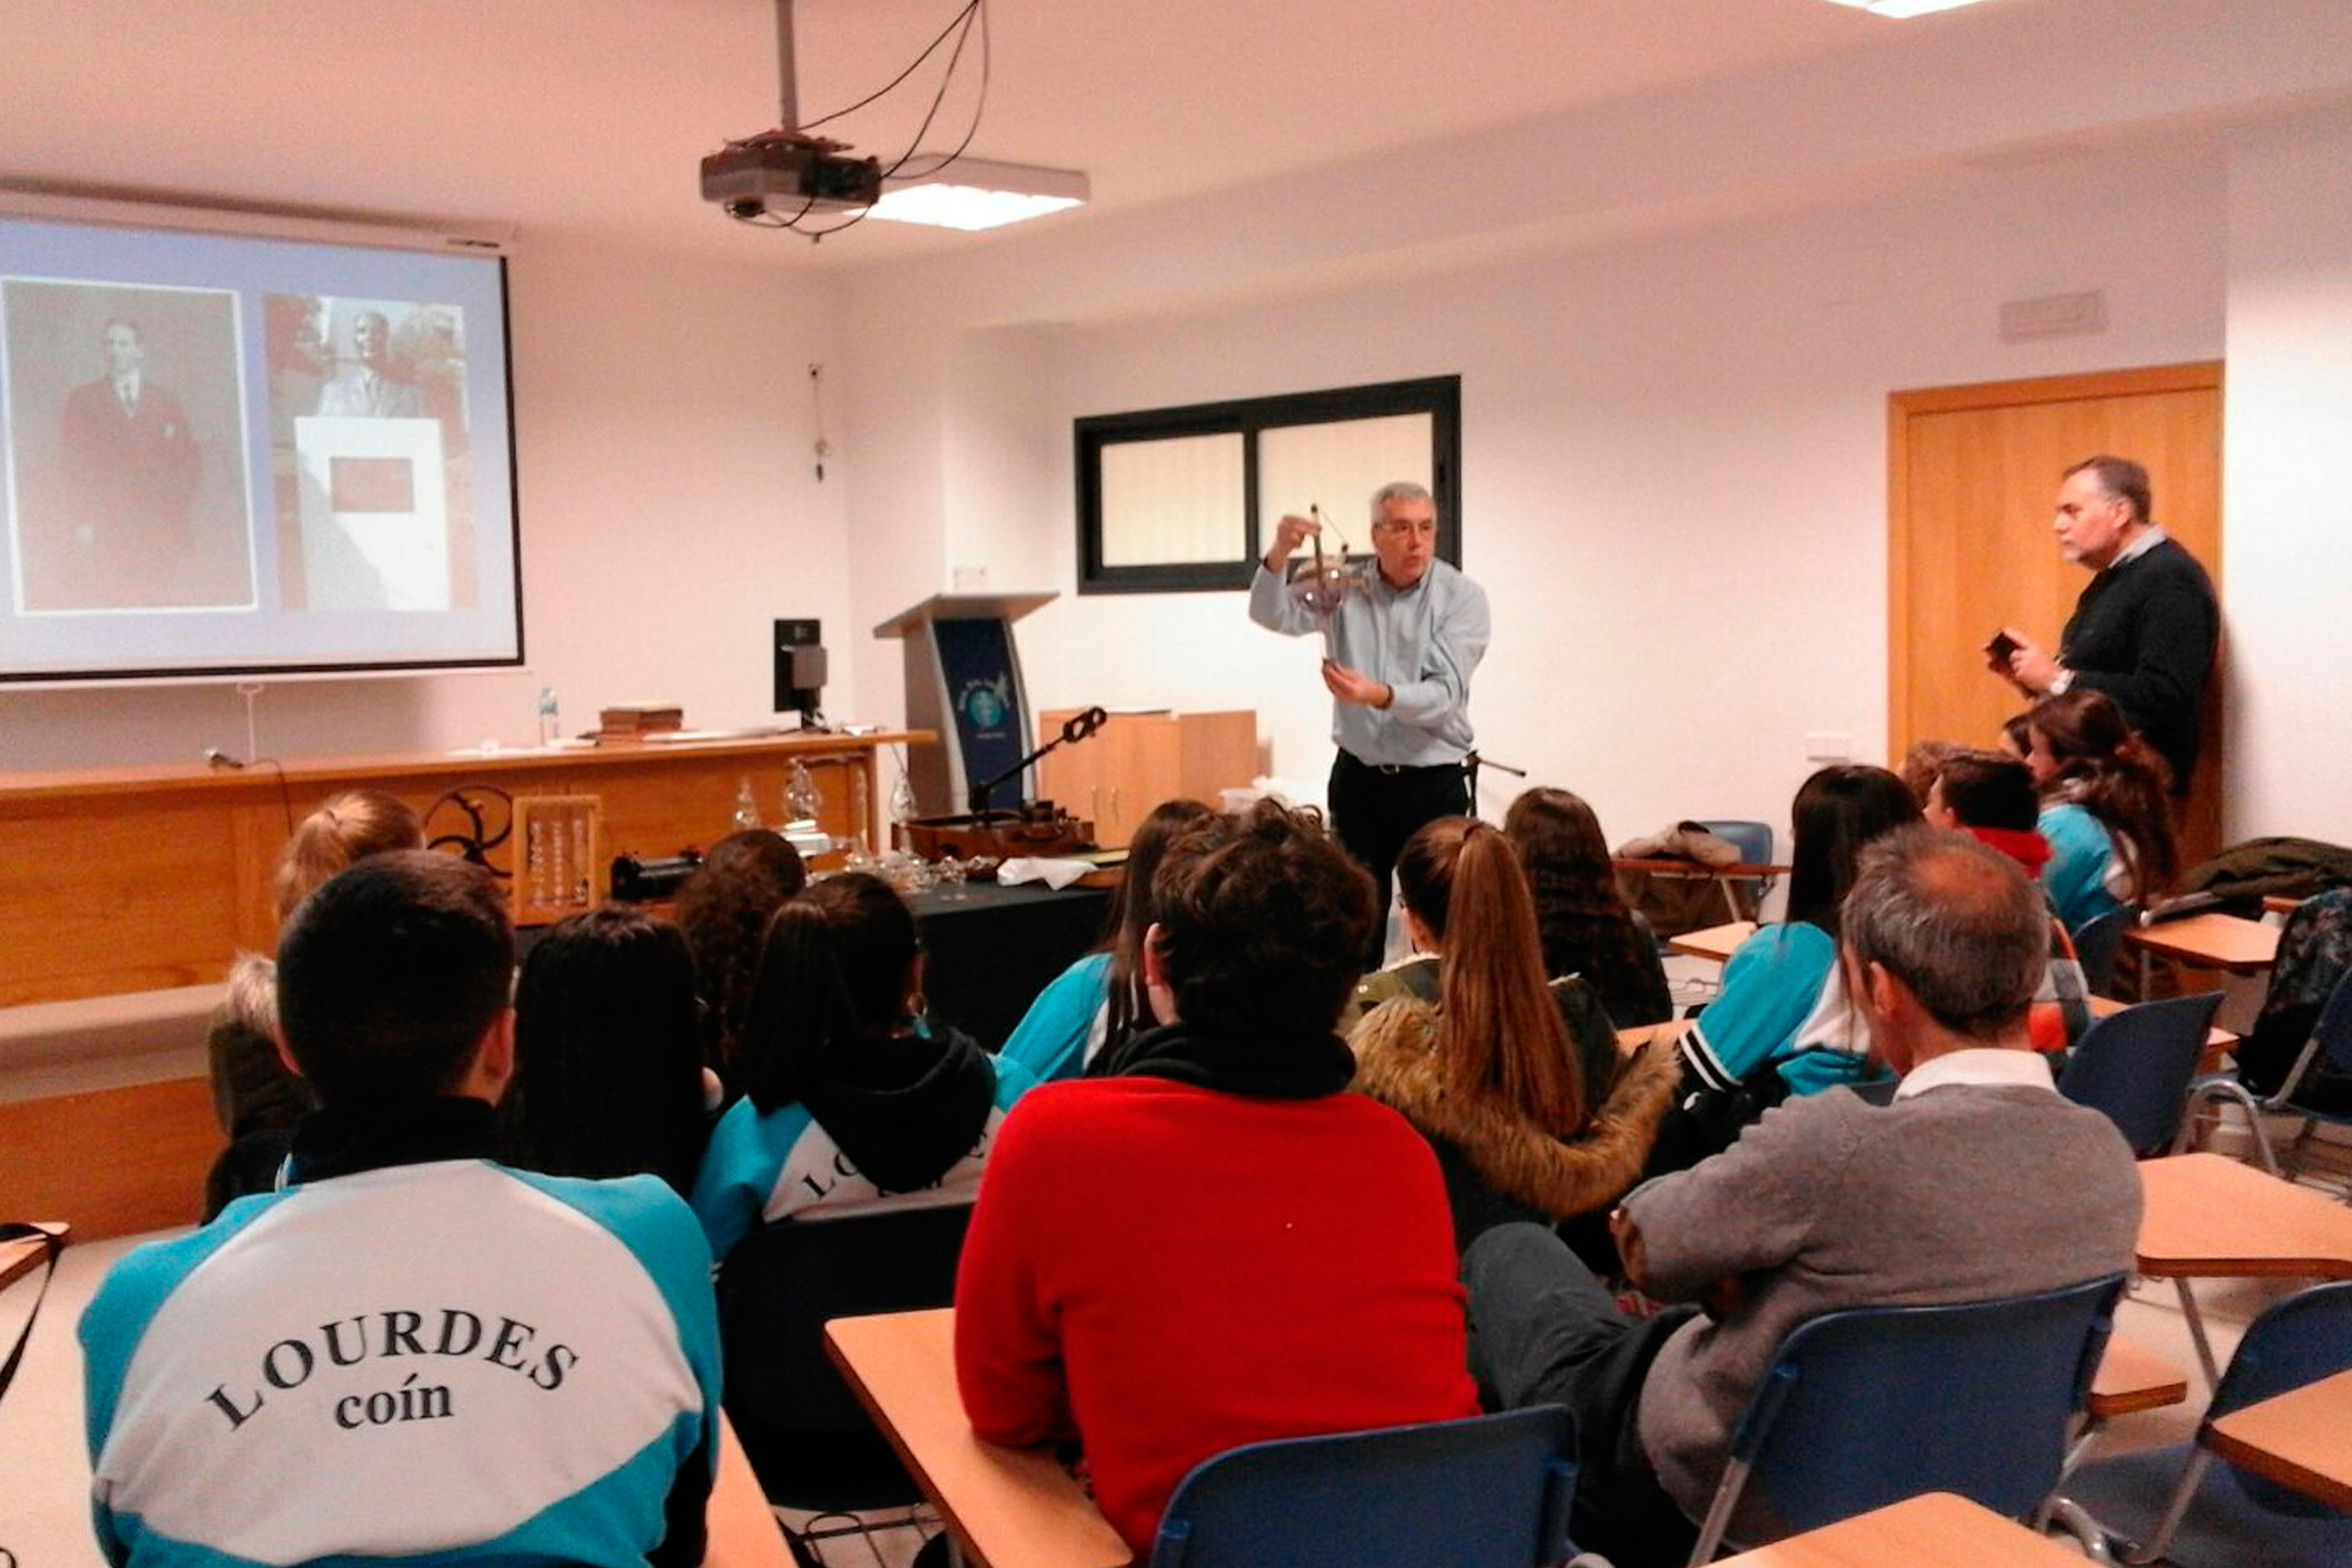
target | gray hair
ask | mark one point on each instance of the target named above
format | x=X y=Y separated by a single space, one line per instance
x=1398 y=490
x=1956 y=921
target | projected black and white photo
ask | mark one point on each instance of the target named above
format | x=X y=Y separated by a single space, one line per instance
x=370 y=453
x=128 y=487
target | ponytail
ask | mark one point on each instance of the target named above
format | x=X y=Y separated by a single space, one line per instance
x=2105 y=767
x=1498 y=1030
x=350 y=826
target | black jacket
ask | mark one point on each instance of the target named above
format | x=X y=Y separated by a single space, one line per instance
x=2144 y=633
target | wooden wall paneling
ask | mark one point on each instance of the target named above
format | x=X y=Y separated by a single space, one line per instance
x=112 y=1162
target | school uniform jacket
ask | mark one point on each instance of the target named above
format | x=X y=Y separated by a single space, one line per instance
x=918 y=1133
x=446 y=1362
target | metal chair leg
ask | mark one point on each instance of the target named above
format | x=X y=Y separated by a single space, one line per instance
x=2197 y=1336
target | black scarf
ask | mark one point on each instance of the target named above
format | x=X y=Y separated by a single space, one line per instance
x=339 y=1140
x=1303 y=1066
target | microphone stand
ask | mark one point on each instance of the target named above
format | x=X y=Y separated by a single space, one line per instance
x=1078 y=727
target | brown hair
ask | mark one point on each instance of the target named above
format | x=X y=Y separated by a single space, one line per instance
x=1580 y=913
x=2108 y=770
x=350 y=827
x=1131 y=914
x=1988 y=789
x=1263 y=921
x=2120 y=478
x=724 y=909
x=1921 y=763
x=833 y=971
x=1498 y=1029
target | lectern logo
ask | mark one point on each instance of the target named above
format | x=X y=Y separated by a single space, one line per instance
x=986 y=704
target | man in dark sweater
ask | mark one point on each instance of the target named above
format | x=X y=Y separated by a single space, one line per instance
x=1978 y=1181
x=2145 y=627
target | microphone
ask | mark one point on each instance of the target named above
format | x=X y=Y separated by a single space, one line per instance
x=220 y=759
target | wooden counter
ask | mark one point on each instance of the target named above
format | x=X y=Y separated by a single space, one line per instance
x=115 y=880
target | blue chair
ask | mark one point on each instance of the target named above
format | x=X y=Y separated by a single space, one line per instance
x=2331 y=1042
x=1754 y=842
x=2199 y=1511
x=1492 y=1491
x=2097 y=945
x=1868 y=1407
x=2137 y=1067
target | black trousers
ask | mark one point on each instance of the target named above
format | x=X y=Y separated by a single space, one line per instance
x=1544 y=1331
x=1375 y=809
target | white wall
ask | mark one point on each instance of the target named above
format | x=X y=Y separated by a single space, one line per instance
x=2287 y=482
x=669 y=512
x=1674 y=470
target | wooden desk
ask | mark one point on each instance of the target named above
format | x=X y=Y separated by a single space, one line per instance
x=1938 y=1531
x=1640 y=1035
x=18 y=1259
x=1713 y=942
x=2211 y=1216
x=2131 y=1377
x=2296 y=1439
x=2279 y=904
x=2208 y=941
x=170 y=866
x=2208 y=1216
x=742 y=1528
x=1008 y=1508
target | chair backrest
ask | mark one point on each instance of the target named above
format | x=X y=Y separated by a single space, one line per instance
x=2295 y=1341
x=2135 y=1066
x=804 y=1431
x=1492 y=1491
x=2098 y=942
x=2333 y=1029
x=1868 y=1407
x=1752 y=839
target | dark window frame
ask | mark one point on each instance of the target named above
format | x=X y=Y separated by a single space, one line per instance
x=1439 y=396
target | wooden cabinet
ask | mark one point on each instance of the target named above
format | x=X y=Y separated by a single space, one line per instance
x=1138 y=760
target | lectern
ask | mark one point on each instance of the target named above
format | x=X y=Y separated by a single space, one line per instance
x=964 y=680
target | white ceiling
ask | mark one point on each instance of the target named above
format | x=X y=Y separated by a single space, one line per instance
x=588 y=116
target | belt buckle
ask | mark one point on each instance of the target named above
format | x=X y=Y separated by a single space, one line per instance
x=1392 y=769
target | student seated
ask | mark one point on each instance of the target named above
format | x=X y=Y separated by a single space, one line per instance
x=1978 y=1181
x=255 y=1100
x=724 y=909
x=850 y=1101
x=1098 y=1002
x=410 y=1354
x=1221 y=1246
x=2104 y=808
x=1782 y=1023
x=1992 y=798
x=1581 y=914
x=608 y=1079
x=1517 y=1085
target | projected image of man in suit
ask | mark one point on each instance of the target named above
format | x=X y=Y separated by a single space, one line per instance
x=128 y=465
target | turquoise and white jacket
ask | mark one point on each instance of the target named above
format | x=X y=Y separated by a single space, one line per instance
x=1066 y=1024
x=445 y=1363
x=1783 y=1001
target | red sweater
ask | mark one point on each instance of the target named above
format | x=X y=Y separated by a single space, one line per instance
x=1167 y=1272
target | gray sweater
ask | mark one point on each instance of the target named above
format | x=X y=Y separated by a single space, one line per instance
x=1959 y=1193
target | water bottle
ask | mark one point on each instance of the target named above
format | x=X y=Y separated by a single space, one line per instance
x=747 y=810
x=551 y=729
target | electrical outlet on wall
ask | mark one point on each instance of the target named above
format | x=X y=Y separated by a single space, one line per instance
x=1828 y=746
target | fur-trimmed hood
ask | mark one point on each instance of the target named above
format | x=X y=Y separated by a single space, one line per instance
x=1396 y=1064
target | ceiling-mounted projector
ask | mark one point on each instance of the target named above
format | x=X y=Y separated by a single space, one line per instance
x=787 y=175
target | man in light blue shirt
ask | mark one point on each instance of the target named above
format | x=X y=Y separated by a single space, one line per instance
x=1404 y=642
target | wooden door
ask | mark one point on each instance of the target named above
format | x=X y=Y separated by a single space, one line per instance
x=1972 y=474
x=1071 y=775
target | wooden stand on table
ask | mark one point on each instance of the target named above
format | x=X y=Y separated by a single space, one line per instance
x=558 y=857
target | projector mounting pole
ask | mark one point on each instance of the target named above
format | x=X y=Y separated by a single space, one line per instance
x=787 y=73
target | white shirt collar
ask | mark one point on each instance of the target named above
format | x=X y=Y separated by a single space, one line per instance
x=2149 y=540
x=1999 y=1066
